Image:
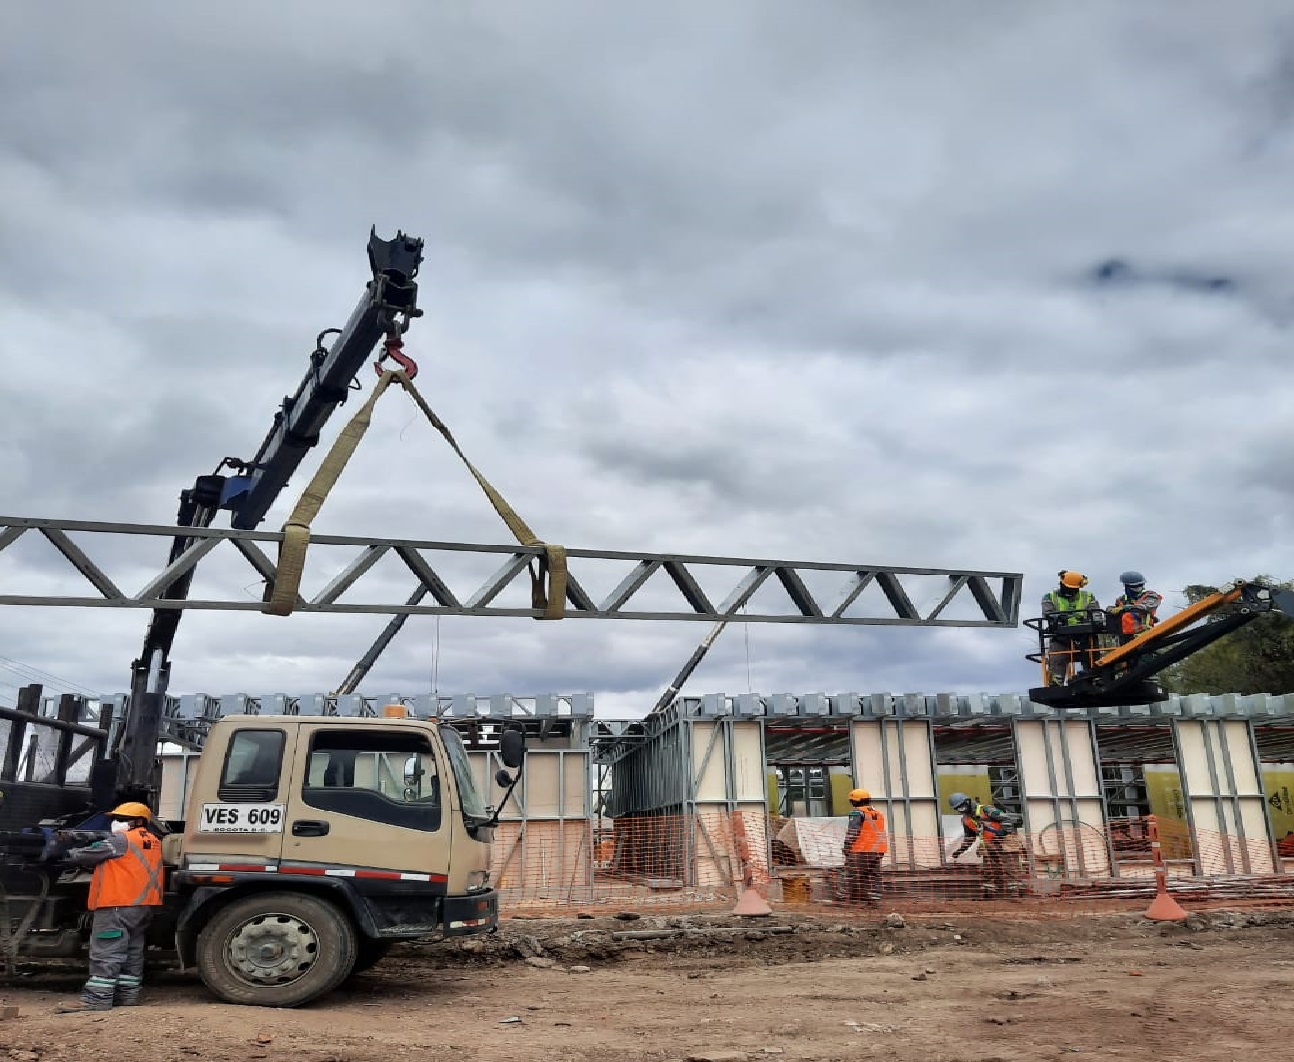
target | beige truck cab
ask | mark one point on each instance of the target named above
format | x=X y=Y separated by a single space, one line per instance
x=311 y=844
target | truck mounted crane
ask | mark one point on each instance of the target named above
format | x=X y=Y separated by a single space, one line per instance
x=309 y=845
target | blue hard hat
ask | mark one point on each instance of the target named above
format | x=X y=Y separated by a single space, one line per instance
x=1132 y=579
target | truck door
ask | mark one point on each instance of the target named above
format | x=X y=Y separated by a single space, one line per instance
x=366 y=798
x=240 y=816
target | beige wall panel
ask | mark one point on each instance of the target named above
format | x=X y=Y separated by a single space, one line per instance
x=708 y=761
x=748 y=760
x=892 y=760
x=1232 y=833
x=553 y=784
x=716 y=857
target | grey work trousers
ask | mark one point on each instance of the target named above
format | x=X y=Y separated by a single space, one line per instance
x=118 y=937
x=862 y=877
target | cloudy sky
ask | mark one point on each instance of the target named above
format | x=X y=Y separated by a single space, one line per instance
x=1004 y=287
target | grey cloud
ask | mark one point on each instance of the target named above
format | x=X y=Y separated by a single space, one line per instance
x=741 y=279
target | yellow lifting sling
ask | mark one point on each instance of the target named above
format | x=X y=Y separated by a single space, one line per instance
x=548 y=581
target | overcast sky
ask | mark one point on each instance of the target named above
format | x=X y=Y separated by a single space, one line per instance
x=1005 y=287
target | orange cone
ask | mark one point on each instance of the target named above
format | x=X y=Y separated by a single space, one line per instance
x=752 y=905
x=1163 y=908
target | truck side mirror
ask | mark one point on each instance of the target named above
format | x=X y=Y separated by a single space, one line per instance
x=502 y=778
x=512 y=748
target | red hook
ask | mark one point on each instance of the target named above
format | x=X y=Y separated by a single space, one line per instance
x=394 y=349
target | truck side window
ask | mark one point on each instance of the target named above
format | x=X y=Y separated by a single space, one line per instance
x=384 y=776
x=252 y=765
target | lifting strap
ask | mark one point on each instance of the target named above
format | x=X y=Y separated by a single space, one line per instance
x=547 y=579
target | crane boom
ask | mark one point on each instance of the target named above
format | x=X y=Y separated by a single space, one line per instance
x=389 y=302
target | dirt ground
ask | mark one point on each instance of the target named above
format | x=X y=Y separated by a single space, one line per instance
x=793 y=987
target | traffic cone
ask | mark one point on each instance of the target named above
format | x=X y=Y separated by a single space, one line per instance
x=751 y=904
x=1163 y=908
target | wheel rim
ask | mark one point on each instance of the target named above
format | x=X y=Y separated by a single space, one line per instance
x=272 y=949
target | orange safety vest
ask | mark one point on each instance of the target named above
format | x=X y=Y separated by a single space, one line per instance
x=871 y=832
x=990 y=832
x=134 y=878
x=1133 y=621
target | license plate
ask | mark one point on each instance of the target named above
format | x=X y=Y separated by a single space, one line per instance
x=241 y=818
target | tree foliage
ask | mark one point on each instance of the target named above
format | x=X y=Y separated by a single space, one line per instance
x=1257 y=658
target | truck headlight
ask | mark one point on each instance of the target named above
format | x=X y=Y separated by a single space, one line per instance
x=477 y=880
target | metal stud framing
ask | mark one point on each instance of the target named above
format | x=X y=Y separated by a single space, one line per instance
x=1060 y=778
x=895 y=760
x=1222 y=785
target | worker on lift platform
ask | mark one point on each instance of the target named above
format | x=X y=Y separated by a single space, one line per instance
x=1064 y=611
x=1135 y=609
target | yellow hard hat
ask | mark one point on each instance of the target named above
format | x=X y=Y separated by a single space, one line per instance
x=859 y=796
x=1073 y=580
x=132 y=809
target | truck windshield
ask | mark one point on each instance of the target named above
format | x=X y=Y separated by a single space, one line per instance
x=469 y=797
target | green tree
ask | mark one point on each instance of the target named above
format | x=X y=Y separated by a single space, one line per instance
x=1257 y=658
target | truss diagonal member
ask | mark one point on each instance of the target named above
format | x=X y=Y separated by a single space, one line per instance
x=427 y=576
x=82 y=563
x=577 y=596
x=997 y=609
x=500 y=580
x=691 y=589
x=955 y=583
x=261 y=562
x=630 y=585
x=897 y=596
x=858 y=582
x=193 y=553
x=804 y=601
x=745 y=589
x=346 y=578
x=11 y=534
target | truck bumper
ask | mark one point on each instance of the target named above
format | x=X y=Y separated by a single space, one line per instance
x=477 y=913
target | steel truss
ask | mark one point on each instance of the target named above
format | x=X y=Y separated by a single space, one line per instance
x=656 y=586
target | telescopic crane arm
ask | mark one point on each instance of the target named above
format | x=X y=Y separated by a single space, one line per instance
x=389 y=303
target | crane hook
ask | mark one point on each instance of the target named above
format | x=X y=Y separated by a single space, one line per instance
x=393 y=348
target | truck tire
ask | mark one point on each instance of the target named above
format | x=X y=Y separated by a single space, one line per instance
x=276 y=949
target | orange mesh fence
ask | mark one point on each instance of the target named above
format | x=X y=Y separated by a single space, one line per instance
x=703 y=860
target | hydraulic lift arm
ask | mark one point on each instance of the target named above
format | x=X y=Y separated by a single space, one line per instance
x=1124 y=675
x=389 y=303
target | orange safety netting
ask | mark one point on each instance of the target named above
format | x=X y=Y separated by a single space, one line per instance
x=704 y=860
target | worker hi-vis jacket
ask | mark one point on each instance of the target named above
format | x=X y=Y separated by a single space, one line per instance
x=866 y=831
x=127 y=869
x=988 y=823
x=1137 y=614
x=1082 y=600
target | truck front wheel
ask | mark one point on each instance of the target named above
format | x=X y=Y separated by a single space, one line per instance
x=276 y=949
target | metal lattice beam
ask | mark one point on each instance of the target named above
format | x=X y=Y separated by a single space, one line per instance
x=651 y=586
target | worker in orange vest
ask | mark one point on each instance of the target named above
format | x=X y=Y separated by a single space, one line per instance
x=125 y=888
x=864 y=848
x=1136 y=608
x=995 y=830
